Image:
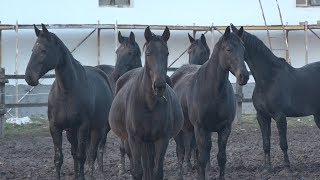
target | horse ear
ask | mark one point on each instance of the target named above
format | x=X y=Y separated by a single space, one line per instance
x=203 y=39
x=148 y=34
x=240 y=32
x=190 y=38
x=120 y=38
x=36 y=30
x=44 y=29
x=234 y=29
x=132 y=39
x=227 y=32
x=166 y=34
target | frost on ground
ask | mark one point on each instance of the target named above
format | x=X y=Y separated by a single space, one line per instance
x=19 y=121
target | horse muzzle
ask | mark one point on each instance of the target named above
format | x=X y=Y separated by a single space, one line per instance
x=243 y=78
x=32 y=81
x=159 y=88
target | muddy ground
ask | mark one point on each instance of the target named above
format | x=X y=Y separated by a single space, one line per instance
x=30 y=156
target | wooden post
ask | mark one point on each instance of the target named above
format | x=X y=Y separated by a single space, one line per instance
x=16 y=67
x=212 y=36
x=115 y=39
x=194 y=32
x=287 y=49
x=306 y=41
x=98 y=44
x=0 y=47
x=239 y=97
x=3 y=81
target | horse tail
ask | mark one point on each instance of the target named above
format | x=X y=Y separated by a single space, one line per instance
x=148 y=153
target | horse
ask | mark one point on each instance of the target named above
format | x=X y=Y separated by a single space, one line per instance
x=78 y=102
x=145 y=112
x=199 y=53
x=280 y=91
x=128 y=58
x=207 y=98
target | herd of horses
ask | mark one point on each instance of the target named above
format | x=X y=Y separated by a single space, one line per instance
x=145 y=108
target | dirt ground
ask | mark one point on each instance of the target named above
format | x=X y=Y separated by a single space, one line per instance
x=31 y=156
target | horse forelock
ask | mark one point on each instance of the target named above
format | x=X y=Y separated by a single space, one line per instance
x=154 y=38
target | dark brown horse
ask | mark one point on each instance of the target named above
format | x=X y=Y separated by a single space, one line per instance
x=280 y=91
x=79 y=100
x=145 y=111
x=128 y=58
x=207 y=98
x=199 y=53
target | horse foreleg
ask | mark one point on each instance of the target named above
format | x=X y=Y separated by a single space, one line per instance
x=135 y=148
x=56 y=135
x=282 y=129
x=223 y=136
x=265 y=127
x=203 y=139
x=83 y=133
x=160 y=151
x=72 y=138
x=180 y=152
x=95 y=138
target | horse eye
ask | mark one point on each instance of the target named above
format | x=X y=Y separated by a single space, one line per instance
x=228 y=49
x=43 y=51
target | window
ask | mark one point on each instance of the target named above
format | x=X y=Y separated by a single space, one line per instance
x=115 y=3
x=307 y=3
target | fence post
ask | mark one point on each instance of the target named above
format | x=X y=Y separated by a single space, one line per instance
x=3 y=82
x=239 y=97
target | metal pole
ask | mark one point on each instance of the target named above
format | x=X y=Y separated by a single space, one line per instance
x=16 y=67
x=3 y=82
x=306 y=41
x=287 y=50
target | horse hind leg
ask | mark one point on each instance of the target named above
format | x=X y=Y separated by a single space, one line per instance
x=95 y=139
x=101 y=150
x=188 y=140
x=265 y=127
x=122 y=148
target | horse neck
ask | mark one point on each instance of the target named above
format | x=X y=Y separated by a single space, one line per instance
x=261 y=60
x=68 y=71
x=212 y=75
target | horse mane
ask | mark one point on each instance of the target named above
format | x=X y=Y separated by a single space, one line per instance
x=136 y=46
x=153 y=38
x=64 y=47
x=255 y=45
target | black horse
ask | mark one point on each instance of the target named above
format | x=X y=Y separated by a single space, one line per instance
x=199 y=53
x=145 y=111
x=280 y=91
x=79 y=100
x=207 y=98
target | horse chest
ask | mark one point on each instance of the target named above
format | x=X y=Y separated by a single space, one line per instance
x=66 y=112
x=149 y=125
